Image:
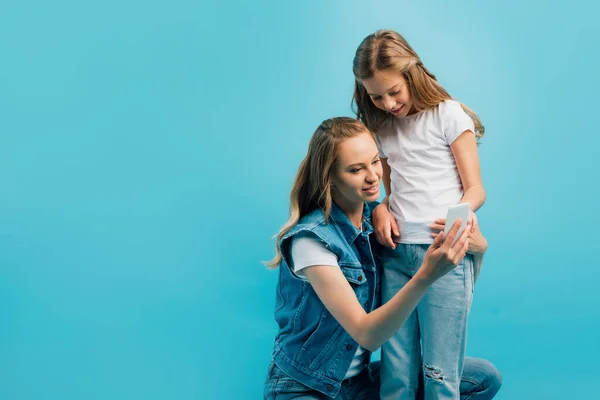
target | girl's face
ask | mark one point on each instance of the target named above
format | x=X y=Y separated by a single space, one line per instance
x=357 y=172
x=389 y=92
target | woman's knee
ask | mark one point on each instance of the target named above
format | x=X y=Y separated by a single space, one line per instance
x=485 y=372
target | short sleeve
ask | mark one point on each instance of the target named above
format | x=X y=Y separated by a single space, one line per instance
x=307 y=250
x=454 y=120
x=477 y=262
x=379 y=146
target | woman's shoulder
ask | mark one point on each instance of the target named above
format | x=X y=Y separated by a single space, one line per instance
x=308 y=223
x=314 y=218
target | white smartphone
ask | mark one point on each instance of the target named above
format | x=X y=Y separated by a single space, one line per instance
x=455 y=212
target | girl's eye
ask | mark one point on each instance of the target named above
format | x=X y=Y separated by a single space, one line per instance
x=377 y=98
x=376 y=161
x=355 y=170
x=394 y=93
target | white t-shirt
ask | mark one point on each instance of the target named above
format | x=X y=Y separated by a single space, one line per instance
x=424 y=177
x=306 y=251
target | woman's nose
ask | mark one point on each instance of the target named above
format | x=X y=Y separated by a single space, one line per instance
x=372 y=176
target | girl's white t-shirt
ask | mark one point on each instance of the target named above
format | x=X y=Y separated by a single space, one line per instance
x=424 y=177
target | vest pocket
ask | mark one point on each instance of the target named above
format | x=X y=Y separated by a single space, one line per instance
x=354 y=275
x=279 y=299
x=312 y=349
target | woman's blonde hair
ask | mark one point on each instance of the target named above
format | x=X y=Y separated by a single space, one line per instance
x=312 y=186
x=386 y=50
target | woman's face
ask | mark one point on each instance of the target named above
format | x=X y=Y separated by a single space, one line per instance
x=389 y=92
x=357 y=171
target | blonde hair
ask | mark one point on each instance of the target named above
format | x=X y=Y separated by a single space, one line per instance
x=312 y=185
x=386 y=50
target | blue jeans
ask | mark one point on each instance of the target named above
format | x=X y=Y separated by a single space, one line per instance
x=432 y=342
x=480 y=381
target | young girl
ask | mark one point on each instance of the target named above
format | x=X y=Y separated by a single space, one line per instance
x=328 y=293
x=428 y=146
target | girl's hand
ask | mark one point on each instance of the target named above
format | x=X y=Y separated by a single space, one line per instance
x=473 y=221
x=477 y=242
x=385 y=226
x=441 y=256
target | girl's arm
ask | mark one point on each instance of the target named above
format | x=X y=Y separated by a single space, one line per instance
x=373 y=329
x=464 y=150
x=387 y=180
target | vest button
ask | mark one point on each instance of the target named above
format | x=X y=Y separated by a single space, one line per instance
x=329 y=387
x=348 y=347
x=359 y=278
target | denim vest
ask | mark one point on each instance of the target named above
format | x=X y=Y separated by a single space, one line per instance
x=311 y=346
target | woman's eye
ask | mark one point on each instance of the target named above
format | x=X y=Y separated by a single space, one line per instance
x=376 y=161
x=394 y=93
x=355 y=170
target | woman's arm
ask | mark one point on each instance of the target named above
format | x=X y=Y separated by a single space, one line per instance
x=477 y=244
x=373 y=329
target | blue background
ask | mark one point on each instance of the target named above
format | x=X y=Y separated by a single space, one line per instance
x=147 y=150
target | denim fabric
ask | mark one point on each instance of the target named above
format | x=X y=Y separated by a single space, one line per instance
x=311 y=347
x=432 y=341
x=480 y=381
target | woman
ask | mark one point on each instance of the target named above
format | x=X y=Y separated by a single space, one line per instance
x=328 y=295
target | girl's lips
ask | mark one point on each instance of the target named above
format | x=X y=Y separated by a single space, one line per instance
x=396 y=112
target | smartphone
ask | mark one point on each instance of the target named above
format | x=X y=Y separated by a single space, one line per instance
x=455 y=212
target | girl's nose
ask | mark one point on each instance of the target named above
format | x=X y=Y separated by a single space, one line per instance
x=389 y=103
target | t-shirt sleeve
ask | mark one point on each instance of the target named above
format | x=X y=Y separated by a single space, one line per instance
x=307 y=250
x=380 y=147
x=454 y=120
x=477 y=262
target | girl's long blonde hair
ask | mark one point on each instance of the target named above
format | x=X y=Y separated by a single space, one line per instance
x=386 y=50
x=312 y=186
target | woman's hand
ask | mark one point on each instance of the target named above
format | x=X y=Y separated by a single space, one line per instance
x=442 y=256
x=477 y=242
x=385 y=226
